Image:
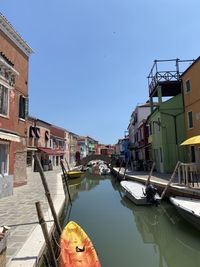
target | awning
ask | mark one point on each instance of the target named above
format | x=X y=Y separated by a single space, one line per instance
x=195 y=140
x=51 y=151
x=9 y=137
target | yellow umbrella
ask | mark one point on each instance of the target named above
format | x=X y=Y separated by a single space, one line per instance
x=195 y=140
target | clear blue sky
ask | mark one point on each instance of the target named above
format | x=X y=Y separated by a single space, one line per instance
x=91 y=57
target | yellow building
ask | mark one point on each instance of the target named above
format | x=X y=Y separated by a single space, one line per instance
x=191 y=93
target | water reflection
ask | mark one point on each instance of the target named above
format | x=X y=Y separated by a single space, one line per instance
x=128 y=235
x=174 y=240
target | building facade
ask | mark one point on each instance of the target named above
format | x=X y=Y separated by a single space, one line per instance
x=73 y=148
x=57 y=144
x=191 y=93
x=14 y=62
x=138 y=133
x=166 y=121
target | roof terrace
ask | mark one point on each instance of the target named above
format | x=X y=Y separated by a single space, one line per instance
x=166 y=73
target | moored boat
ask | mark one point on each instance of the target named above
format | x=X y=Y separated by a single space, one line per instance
x=140 y=194
x=188 y=208
x=77 y=248
x=74 y=174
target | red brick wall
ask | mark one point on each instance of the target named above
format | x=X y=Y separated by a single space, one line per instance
x=17 y=150
x=57 y=132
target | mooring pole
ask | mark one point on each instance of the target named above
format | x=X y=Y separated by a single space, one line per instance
x=126 y=167
x=46 y=234
x=121 y=162
x=67 y=164
x=48 y=195
x=149 y=177
x=65 y=179
x=170 y=181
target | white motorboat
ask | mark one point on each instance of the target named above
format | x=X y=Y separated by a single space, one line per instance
x=188 y=208
x=139 y=194
x=103 y=169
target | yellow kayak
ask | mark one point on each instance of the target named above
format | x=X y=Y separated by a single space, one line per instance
x=74 y=174
x=76 y=247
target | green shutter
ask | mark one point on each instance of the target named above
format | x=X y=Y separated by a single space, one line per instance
x=26 y=107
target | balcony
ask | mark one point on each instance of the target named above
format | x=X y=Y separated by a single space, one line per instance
x=166 y=73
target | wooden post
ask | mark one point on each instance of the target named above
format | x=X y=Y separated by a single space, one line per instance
x=120 y=168
x=65 y=180
x=132 y=166
x=46 y=261
x=46 y=234
x=170 y=181
x=126 y=167
x=149 y=177
x=48 y=195
x=67 y=165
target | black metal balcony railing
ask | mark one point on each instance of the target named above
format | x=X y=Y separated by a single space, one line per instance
x=158 y=75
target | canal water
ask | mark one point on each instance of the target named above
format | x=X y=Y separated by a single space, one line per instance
x=126 y=235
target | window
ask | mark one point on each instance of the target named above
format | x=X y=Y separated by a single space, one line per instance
x=23 y=107
x=3 y=100
x=187 y=86
x=4 y=158
x=190 y=120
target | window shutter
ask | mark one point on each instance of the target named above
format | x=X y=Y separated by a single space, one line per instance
x=26 y=107
x=20 y=106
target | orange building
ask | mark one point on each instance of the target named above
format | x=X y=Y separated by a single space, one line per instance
x=191 y=93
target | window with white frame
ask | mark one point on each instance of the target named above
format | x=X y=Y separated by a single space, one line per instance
x=187 y=86
x=4 y=152
x=190 y=120
x=3 y=100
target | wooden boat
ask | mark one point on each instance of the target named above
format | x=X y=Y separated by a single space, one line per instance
x=74 y=174
x=137 y=193
x=188 y=208
x=77 y=249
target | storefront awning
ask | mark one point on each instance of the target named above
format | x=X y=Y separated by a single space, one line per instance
x=51 y=151
x=9 y=137
x=195 y=140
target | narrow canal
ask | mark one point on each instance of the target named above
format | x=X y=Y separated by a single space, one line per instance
x=126 y=235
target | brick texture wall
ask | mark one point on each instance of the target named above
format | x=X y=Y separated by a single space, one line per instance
x=20 y=168
x=17 y=160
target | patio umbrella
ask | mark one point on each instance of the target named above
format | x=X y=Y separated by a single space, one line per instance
x=195 y=140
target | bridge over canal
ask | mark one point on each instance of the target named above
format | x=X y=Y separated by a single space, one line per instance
x=84 y=161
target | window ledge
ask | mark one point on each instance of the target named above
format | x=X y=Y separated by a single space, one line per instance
x=20 y=119
x=5 y=116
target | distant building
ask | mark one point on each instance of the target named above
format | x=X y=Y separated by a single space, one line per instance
x=57 y=143
x=138 y=143
x=14 y=61
x=73 y=148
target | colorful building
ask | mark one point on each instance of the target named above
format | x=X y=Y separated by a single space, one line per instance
x=14 y=62
x=138 y=132
x=166 y=122
x=73 y=148
x=191 y=92
x=57 y=144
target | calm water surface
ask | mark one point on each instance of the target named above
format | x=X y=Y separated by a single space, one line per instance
x=126 y=235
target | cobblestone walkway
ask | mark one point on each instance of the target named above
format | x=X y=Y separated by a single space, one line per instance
x=19 y=212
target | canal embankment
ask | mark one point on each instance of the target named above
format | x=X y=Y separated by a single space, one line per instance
x=160 y=181
x=25 y=242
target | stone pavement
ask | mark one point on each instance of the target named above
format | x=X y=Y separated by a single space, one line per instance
x=18 y=211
